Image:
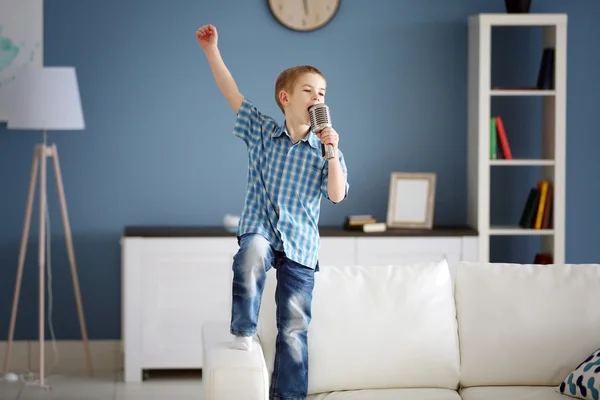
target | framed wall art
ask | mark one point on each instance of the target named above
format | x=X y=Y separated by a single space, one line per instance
x=411 y=200
x=21 y=43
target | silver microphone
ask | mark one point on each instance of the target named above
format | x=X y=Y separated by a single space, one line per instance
x=320 y=118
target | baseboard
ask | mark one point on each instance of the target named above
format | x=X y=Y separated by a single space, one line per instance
x=63 y=356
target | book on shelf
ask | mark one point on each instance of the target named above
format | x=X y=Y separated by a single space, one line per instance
x=537 y=212
x=357 y=220
x=499 y=147
x=545 y=80
x=364 y=223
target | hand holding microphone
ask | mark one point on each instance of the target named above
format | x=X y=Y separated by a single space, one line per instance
x=320 y=124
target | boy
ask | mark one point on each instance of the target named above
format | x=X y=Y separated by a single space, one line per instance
x=279 y=224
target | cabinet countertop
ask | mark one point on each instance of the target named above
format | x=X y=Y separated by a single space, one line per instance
x=325 y=231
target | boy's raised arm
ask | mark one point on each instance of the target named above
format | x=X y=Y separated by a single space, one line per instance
x=207 y=38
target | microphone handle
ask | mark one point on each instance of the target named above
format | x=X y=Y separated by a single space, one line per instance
x=327 y=151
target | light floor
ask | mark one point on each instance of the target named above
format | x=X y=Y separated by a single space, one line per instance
x=106 y=386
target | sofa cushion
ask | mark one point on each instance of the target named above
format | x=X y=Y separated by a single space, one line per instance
x=229 y=373
x=511 y=393
x=584 y=382
x=376 y=327
x=525 y=325
x=390 y=394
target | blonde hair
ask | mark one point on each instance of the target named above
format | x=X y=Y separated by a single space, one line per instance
x=287 y=79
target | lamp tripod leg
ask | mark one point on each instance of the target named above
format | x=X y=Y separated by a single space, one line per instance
x=71 y=254
x=42 y=263
x=22 y=253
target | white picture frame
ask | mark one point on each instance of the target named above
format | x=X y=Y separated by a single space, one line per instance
x=21 y=33
x=411 y=200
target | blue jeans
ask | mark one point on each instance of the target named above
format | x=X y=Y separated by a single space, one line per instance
x=293 y=298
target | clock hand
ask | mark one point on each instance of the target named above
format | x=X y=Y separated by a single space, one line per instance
x=305 y=7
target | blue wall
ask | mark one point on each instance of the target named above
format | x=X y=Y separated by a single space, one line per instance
x=158 y=147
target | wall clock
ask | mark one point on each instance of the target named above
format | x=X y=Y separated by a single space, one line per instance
x=304 y=15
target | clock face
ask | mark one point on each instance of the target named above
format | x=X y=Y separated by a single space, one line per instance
x=304 y=15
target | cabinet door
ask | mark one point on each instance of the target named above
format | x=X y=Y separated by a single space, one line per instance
x=185 y=283
x=337 y=252
x=384 y=251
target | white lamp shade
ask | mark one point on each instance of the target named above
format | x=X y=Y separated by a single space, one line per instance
x=45 y=99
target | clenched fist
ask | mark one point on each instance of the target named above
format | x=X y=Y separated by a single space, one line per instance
x=329 y=136
x=207 y=36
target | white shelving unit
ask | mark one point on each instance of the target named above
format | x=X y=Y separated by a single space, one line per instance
x=553 y=161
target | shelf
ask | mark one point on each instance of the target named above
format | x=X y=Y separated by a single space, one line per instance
x=522 y=162
x=518 y=231
x=179 y=231
x=522 y=92
x=539 y=147
x=525 y=20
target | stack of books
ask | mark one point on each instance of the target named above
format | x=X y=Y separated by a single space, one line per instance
x=537 y=212
x=363 y=223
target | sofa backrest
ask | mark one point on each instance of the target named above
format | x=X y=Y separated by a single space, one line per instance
x=376 y=327
x=525 y=324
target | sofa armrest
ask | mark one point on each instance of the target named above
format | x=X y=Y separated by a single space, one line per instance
x=229 y=374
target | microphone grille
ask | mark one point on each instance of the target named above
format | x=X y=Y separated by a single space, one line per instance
x=320 y=117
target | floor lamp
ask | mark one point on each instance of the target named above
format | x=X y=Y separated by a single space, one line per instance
x=45 y=99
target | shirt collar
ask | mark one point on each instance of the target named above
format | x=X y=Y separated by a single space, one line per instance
x=311 y=138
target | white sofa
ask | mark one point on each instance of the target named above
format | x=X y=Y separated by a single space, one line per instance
x=500 y=332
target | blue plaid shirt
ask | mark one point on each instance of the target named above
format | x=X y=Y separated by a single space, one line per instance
x=286 y=181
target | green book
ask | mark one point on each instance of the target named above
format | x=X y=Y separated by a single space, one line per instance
x=493 y=139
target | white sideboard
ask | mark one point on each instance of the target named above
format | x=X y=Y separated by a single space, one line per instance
x=176 y=279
